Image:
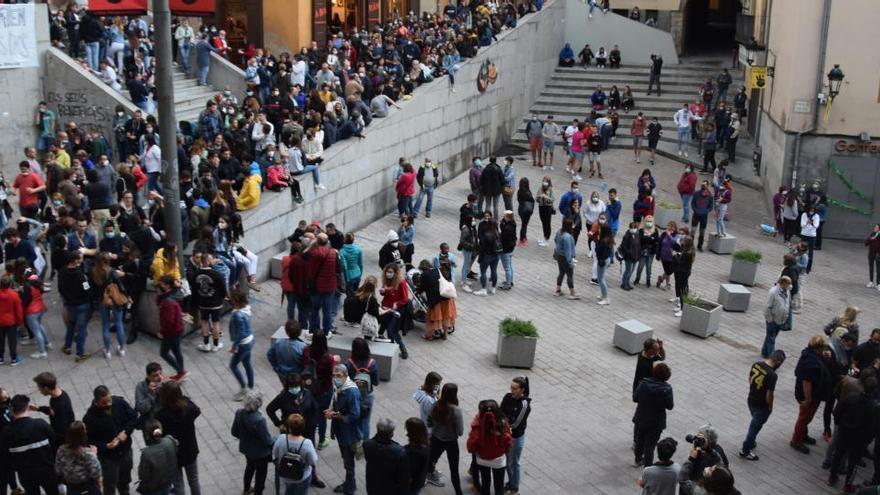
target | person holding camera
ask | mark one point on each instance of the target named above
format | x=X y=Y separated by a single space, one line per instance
x=653 y=396
x=705 y=456
x=715 y=480
x=762 y=383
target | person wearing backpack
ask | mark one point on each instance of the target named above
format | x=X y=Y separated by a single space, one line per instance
x=295 y=457
x=364 y=372
x=344 y=412
x=491 y=440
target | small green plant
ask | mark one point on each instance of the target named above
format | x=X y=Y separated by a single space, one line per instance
x=692 y=299
x=668 y=206
x=512 y=327
x=748 y=256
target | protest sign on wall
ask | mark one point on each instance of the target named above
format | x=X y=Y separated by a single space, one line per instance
x=18 y=36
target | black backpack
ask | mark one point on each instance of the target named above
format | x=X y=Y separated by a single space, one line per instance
x=292 y=465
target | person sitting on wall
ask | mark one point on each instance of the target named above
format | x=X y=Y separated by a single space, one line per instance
x=614 y=57
x=566 y=56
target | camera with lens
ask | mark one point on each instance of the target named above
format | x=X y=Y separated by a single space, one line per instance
x=697 y=440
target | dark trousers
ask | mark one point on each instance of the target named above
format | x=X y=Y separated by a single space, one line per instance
x=171 y=346
x=874 y=267
x=32 y=481
x=731 y=149
x=709 y=157
x=681 y=285
x=850 y=447
x=497 y=478
x=789 y=228
x=451 y=449
x=9 y=334
x=644 y=442
x=819 y=235
x=524 y=225
x=655 y=78
x=566 y=271
x=349 y=486
x=545 y=212
x=117 y=473
x=256 y=469
x=811 y=244
x=700 y=220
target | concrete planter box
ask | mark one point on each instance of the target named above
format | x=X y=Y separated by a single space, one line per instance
x=662 y=216
x=702 y=321
x=630 y=335
x=734 y=297
x=275 y=266
x=743 y=272
x=722 y=245
x=516 y=352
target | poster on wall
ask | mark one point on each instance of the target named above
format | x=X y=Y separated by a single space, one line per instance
x=18 y=36
x=488 y=75
x=194 y=8
x=118 y=7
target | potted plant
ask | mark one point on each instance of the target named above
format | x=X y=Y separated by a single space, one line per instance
x=516 y=343
x=700 y=317
x=744 y=267
x=665 y=213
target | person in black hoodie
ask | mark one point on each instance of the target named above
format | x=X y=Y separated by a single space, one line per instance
x=654 y=397
x=178 y=414
x=867 y=351
x=76 y=292
x=491 y=185
x=296 y=399
x=27 y=446
x=516 y=406
x=812 y=383
x=417 y=453
x=110 y=421
x=630 y=251
x=853 y=417
x=508 y=243
x=209 y=292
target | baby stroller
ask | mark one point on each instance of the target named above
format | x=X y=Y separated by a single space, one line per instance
x=418 y=307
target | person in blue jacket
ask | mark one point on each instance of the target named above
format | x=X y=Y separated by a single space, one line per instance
x=242 y=341
x=564 y=255
x=344 y=413
x=703 y=202
x=571 y=195
x=286 y=355
x=203 y=58
x=613 y=209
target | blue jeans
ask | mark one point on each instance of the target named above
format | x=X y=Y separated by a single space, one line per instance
x=153 y=182
x=243 y=355
x=108 y=313
x=507 y=263
x=759 y=417
x=488 y=262
x=93 y=54
x=770 y=339
x=301 y=305
x=600 y=275
x=425 y=191
x=184 y=49
x=203 y=74
x=363 y=422
x=629 y=266
x=684 y=138
x=645 y=262
x=165 y=490
x=301 y=488
x=35 y=324
x=513 y=461
x=721 y=209
x=466 y=265
x=392 y=327
x=77 y=324
x=353 y=284
x=316 y=176
x=404 y=204
x=686 y=207
x=322 y=303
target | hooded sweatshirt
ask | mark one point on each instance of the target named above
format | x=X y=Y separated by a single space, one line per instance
x=170 y=314
x=653 y=397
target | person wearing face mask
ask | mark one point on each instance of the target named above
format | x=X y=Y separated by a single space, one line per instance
x=703 y=203
x=395 y=294
x=76 y=293
x=723 y=197
x=344 y=412
x=649 y=243
x=110 y=421
x=254 y=441
x=687 y=185
x=391 y=251
x=668 y=239
x=592 y=210
x=630 y=251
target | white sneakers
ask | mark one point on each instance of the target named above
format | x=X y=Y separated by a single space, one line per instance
x=603 y=302
x=466 y=288
x=542 y=243
x=480 y=292
x=677 y=313
x=491 y=290
x=870 y=285
x=209 y=348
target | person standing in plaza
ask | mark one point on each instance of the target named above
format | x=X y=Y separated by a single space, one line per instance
x=684 y=255
x=76 y=292
x=703 y=202
x=178 y=414
x=661 y=478
x=492 y=185
x=171 y=325
x=652 y=353
x=723 y=197
x=509 y=183
x=654 y=397
x=286 y=355
x=545 y=200
x=427 y=178
x=563 y=253
x=762 y=385
x=387 y=467
x=11 y=318
x=76 y=464
x=209 y=292
x=27 y=449
x=447 y=425
x=418 y=453
x=474 y=175
x=604 y=254
x=873 y=243
x=516 y=406
x=687 y=186
x=60 y=409
x=790 y=224
x=488 y=241
x=549 y=132
x=158 y=461
x=682 y=119
x=809 y=225
x=344 y=412
x=654 y=131
x=242 y=341
x=630 y=251
x=656 y=69
x=534 y=132
x=649 y=245
x=490 y=441
x=811 y=383
x=526 y=207
x=508 y=244
x=146 y=393
x=109 y=422
x=254 y=442
x=775 y=314
x=637 y=130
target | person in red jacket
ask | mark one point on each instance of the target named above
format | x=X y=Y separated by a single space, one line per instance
x=687 y=185
x=406 y=188
x=293 y=282
x=490 y=440
x=171 y=325
x=322 y=268
x=221 y=45
x=11 y=317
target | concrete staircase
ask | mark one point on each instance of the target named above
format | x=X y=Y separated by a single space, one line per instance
x=567 y=97
x=189 y=97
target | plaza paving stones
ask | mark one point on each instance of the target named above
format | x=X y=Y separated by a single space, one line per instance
x=580 y=430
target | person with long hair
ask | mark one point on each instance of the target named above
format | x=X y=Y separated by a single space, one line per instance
x=158 y=464
x=166 y=263
x=490 y=440
x=649 y=244
x=362 y=363
x=178 y=415
x=525 y=209
x=667 y=240
x=318 y=374
x=76 y=462
x=395 y=299
x=488 y=244
x=30 y=289
x=604 y=253
x=254 y=441
x=442 y=311
x=846 y=322
x=447 y=426
x=242 y=338
x=103 y=275
x=546 y=200
x=563 y=253
x=516 y=407
x=684 y=254
x=417 y=453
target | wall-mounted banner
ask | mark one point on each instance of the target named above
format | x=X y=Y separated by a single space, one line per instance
x=118 y=7
x=194 y=8
x=18 y=36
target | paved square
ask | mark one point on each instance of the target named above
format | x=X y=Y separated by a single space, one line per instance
x=579 y=433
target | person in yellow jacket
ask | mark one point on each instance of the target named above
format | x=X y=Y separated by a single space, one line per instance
x=165 y=263
x=249 y=197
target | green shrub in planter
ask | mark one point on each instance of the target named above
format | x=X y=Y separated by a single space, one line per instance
x=512 y=327
x=744 y=267
x=517 y=340
x=748 y=256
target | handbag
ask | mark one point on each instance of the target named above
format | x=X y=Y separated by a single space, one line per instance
x=447 y=288
x=184 y=288
x=113 y=296
x=369 y=323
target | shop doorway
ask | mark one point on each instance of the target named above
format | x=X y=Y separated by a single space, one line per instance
x=346 y=15
x=710 y=26
x=243 y=22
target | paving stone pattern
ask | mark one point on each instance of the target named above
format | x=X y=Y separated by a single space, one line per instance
x=580 y=430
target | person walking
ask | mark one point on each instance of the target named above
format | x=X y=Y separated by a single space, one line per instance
x=809 y=225
x=387 y=463
x=111 y=301
x=344 y=412
x=447 y=426
x=109 y=421
x=526 y=207
x=76 y=462
x=242 y=342
x=254 y=441
x=630 y=251
x=873 y=243
x=178 y=414
x=158 y=461
x=811 y=381
x=490 y=441
x=203 y=58
x=295 y=457
x=563 y=253
x=546 y=200
x=516 y=406
x=604 y=252
x=762 y=385
x=638 y=129
x=185 y=36
x=11 y=319
x=171 y=325
x=654 y=397
x=776 y=314
x=656 y=69
x=687 y=186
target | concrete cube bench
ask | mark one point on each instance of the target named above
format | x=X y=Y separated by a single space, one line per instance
x=722 y=245
x=630 y=335
x=387 y=356
x=734 y=297
x=275 y=266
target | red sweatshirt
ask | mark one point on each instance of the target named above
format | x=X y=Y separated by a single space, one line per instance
x=170 y=317
x=486 y=445
x=11 y=312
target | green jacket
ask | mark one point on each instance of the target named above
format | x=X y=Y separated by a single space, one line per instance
x=158 y=464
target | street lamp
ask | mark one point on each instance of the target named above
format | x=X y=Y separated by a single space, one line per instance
x=835 y=78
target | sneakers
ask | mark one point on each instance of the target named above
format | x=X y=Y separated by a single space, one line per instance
x=39 y=355
x=542 y=243
x=435 y=479
x=239 y=396
x=26 y=341
x=505 y=287
x=749 y=456
x=481 y=292
x=204 y=347
x=578 y=177
x=677 y=313
x=604 y=302
x=324 y=444
x=492 y=291
x=107 y=354
x=66 y=350
x=15 y=361
x=82 y=357
x=404 y=354
x=870 y=285
x=320 y=186
x=594 y=281
x=574 y=260
x=466 y=288
x=220 y=346
x=120 y=350
x=673 y=299
x=571 y=297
